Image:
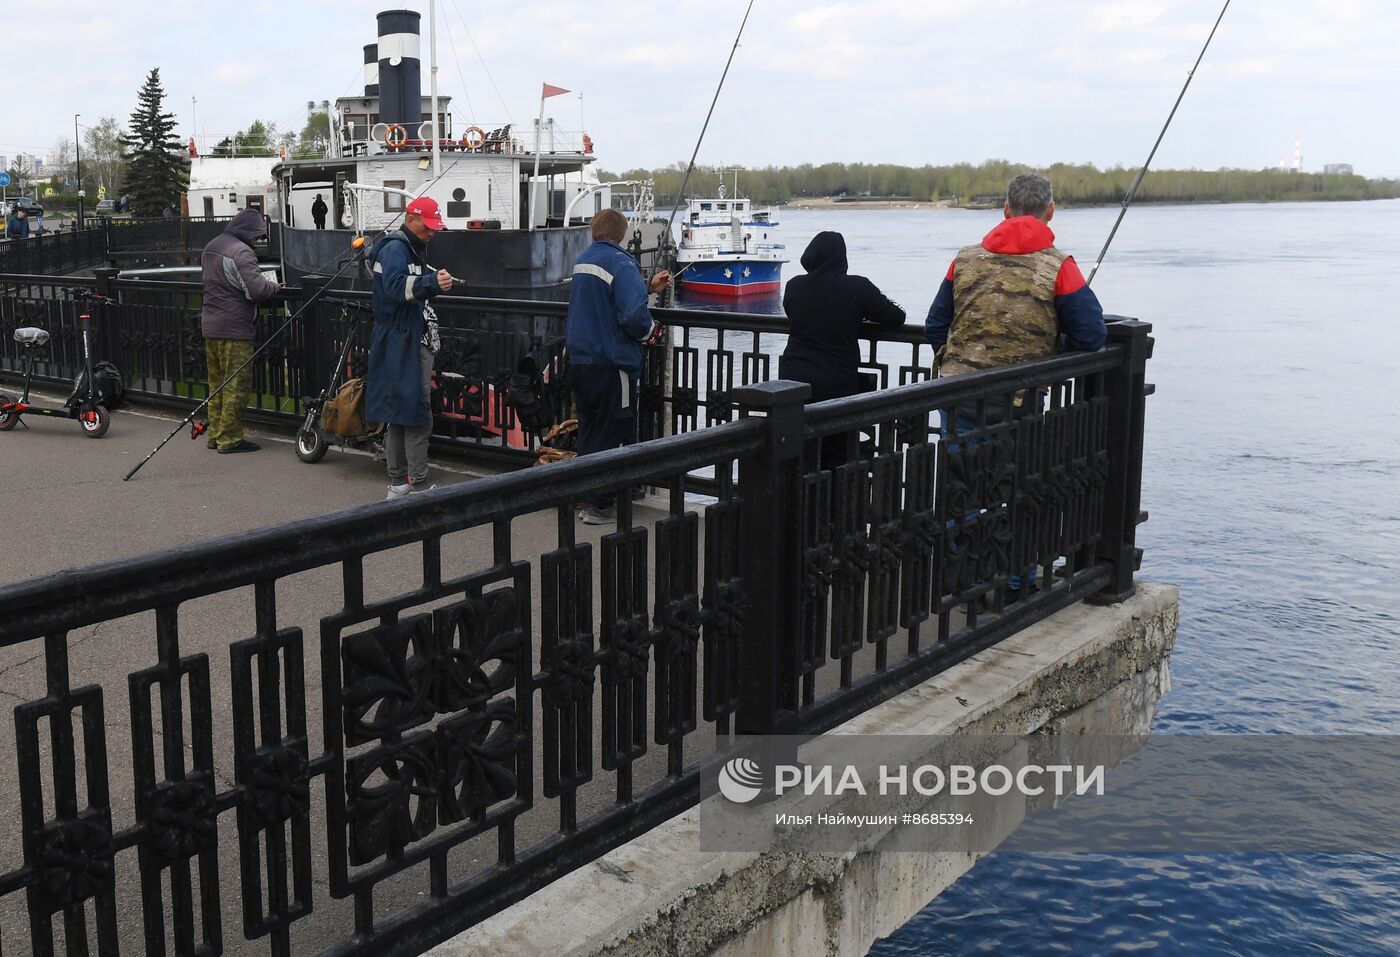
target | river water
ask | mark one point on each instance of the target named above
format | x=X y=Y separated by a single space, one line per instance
x=1272 y=475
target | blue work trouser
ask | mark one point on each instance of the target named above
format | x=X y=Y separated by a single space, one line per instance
x=605 y=398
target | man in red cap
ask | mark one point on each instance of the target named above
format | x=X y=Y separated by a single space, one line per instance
x=405 y=339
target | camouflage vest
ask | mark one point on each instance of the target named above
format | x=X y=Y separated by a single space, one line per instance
x=1003 y=309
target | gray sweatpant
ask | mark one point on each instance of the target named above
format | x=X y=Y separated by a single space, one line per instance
x=406 y=446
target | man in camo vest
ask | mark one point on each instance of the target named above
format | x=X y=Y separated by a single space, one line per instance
x=1006 y=300
x=1010 y=298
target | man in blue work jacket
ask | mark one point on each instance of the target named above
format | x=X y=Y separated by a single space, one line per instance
x=609 y=322
x=399 y=383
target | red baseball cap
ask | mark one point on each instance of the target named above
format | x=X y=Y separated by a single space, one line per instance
x=427 y=207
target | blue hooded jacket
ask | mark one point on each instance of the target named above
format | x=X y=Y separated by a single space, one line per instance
x=608 y=315
x=402 y=283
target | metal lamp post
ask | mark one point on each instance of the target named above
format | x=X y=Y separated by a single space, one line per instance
x=78 y=152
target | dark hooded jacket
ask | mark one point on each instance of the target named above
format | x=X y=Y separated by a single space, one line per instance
x=826 y=309
x=233 y=284
x=15 y=227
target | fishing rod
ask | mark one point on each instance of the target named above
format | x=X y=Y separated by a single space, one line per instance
x=359 y=244
x=680 y=196
x=358 y=257
x=1132 y=190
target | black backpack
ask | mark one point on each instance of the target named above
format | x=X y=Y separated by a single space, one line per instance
x=108 y=386
x=527 y=394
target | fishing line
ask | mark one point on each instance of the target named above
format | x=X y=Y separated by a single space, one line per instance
x=680 y=196
x=1132 y=190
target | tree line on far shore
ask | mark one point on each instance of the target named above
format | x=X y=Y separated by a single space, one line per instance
x=981 y=184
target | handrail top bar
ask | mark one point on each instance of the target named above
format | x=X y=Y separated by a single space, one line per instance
x=957 y=390
x=21 y=279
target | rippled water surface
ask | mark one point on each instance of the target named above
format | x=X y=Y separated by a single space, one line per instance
x=1273 y=480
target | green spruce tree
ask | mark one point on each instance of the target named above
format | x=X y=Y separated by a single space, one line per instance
x=157 y=170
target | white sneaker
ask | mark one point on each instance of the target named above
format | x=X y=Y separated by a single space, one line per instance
x=397 y=492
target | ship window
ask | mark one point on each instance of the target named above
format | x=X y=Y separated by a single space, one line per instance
x=723 y=205
x=459 y=207
x=393 y=202
x=706 y=206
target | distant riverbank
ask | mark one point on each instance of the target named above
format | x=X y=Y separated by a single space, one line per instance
x=824 y=203
x=981 y=186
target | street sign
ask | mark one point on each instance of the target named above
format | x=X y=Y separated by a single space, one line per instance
x=4 y=178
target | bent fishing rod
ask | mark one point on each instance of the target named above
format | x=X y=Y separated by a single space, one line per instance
x=1132 y=190
x=357 y=257
x=685 y=181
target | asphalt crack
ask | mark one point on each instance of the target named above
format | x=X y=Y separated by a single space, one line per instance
x=72 y=643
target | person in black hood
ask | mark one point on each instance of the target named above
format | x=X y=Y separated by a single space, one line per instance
x=826 y=309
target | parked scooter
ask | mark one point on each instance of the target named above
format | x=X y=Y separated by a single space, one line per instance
x=95 y=391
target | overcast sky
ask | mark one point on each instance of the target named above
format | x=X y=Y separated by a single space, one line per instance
x=904 y=81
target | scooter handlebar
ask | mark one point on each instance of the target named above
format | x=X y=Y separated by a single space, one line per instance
x=87 y=295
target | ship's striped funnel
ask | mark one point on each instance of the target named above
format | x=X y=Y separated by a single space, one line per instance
x=371 y=69
x=400 y=73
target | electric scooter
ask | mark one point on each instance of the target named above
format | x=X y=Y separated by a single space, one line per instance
x=86 y=404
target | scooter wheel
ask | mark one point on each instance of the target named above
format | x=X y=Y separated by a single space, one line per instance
x=8 y=420
x=311 y=447
x=95 y=421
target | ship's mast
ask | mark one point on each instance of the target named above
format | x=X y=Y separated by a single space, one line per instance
x=432 y=81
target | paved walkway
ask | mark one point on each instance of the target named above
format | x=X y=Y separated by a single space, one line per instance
x=68 y=506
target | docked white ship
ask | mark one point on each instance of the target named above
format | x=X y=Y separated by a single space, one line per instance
x=517 y=206
x=729 y=248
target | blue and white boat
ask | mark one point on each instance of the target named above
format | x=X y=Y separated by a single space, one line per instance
x=727 y=247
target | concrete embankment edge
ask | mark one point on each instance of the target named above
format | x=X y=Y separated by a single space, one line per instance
x=1087 y=669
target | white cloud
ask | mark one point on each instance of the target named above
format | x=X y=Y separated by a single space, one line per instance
x=898 y=80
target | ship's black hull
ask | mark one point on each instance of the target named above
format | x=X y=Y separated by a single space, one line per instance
x=492 y=263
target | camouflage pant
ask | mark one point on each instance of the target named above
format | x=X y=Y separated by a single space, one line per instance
x=226 y=408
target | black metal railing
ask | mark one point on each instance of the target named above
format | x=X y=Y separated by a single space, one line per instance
x=688 y=381
x=492 y=697
x=53 y=252
x=170 y=240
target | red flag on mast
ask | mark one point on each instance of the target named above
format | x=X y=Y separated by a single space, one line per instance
x=552 y=91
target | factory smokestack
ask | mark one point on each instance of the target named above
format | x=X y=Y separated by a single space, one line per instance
x=400 y=72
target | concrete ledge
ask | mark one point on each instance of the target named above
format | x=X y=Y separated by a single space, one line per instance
x=1088 y=668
